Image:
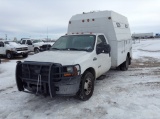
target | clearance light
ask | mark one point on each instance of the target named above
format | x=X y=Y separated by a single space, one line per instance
x=82 y=20
x=109 y=18
x=69 y=22
x=88 y=20
x=92 y=19
x=77 y=33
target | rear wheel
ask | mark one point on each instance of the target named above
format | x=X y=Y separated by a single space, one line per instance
x=86 y=86
x=124 y=66
x=9 y=55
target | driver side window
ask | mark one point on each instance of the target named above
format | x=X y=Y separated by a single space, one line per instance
x=29 y=42
x=23 y=42
x=1 y=44
x=101 y=41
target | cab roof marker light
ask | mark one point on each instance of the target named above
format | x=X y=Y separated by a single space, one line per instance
x=93 y=19
x=83 y=20
x=87 y=20
x=77 y=33
x=69 y=22
x=72 y=33
x=109 y=18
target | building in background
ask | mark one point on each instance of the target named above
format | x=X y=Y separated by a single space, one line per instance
x=142 y=35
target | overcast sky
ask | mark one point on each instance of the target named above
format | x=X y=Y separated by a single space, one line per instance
x=32 y=18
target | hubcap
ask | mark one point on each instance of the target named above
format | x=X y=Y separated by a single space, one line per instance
x=87 y=86
x=8 y=55
x=36 y=51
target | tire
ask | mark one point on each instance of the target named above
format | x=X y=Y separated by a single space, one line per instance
x=36 y=50
x=124 y=66
x=19 y=81
x=25 y=55
x=86 y=87
x=9 y=55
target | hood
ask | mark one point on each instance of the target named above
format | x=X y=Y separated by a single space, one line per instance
x=43 y=43
x=62 y=57
x=13 y=45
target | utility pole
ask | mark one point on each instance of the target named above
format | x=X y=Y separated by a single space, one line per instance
x=6 y=36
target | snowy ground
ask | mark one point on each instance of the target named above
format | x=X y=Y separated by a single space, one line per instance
x=133 y=94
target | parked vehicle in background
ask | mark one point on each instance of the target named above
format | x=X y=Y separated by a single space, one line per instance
x=95 y=41
x=36 y=46
x=157 y=35
x=11 y=49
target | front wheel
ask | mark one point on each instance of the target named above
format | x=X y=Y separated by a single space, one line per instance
x=36 y=50
x=9 y=55
x=86 y=87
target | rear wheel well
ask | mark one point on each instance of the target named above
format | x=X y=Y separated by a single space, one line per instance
x=128 y=55
x=8 y=51
x=90 y=70
x=36 y=48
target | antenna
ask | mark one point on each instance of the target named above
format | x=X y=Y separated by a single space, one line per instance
x=47 y=33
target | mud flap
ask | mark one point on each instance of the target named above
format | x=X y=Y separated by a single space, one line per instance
x=18 y=74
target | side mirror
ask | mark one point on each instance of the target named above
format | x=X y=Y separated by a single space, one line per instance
x=99 y=50
x=107 y=48
x=103 y=48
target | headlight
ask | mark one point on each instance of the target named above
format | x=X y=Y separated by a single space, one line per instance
x=71 y=71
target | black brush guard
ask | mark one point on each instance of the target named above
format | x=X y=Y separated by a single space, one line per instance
x=38 y=77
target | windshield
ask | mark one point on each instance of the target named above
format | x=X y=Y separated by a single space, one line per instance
x=37 y=41
x=75 y=42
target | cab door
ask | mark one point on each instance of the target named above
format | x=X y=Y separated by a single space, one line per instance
x=103 y=57
x=30 y=45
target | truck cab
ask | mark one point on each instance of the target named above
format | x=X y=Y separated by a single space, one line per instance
x=95 y=49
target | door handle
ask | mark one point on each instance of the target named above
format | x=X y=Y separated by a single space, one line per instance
x=94 y=58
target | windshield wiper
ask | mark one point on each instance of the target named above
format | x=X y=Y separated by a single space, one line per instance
x=76 y=49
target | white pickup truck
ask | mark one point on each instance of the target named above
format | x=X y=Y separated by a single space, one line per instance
x=11 y=49
x=95 y=42
x=36 y=45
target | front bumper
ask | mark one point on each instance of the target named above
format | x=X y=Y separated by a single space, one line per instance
x=45 y=47
x=68 y=86
x=45 y=78
x=20 y=52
